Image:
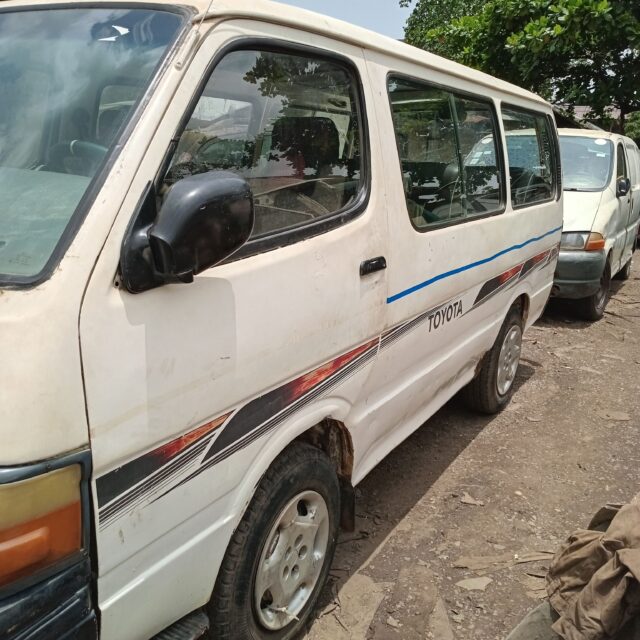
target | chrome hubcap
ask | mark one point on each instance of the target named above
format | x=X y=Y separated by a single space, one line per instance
x=292 y=560
x=509 y=359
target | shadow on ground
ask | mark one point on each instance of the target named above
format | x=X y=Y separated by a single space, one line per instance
x=562 y=313
x=401 y=479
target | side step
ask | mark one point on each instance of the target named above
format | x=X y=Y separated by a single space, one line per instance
x=191 y=627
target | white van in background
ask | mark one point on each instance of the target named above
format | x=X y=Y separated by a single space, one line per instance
x=601 y=216
x=243 y=255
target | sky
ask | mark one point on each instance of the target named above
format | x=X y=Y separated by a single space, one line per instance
x=383 y=16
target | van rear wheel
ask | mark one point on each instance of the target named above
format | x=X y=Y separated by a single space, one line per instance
x=490 y=391
x=280 y=554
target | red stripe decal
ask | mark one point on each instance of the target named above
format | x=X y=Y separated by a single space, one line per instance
x=306 y=382
x=173 y=448
x=507 y=275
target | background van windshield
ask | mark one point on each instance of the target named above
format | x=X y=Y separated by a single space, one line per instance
x=69 y=80
x=586 y=163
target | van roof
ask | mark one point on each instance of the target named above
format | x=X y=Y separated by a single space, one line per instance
x=586 y=133
x=277 y=13
x=593 y=133
x=597 y=133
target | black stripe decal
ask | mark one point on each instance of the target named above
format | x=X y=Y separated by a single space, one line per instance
x=276 y=420
x=152 y=481
x=113 y=510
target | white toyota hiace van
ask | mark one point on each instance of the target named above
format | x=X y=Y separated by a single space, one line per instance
x=601 y=216
x=245 y=251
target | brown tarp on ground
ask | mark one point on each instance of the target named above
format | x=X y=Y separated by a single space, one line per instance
x=594 y=580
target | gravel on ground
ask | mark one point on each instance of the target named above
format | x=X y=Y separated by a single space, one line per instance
x=455 y=528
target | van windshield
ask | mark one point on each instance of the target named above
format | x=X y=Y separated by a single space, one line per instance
x=586 y=163
x=69 y=82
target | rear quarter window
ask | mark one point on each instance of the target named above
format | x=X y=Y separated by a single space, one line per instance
x=531 y=153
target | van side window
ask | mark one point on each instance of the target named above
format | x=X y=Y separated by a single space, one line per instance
x=532 y=162
x=289 y=124
x=446 y=143
x=482 y=178
x=621 y=171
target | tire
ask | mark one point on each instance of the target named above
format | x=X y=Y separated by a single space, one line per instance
x=490 y=391
x=235 y=610
x=593 y=307
x=625 y=272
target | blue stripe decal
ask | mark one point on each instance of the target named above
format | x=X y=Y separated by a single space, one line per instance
x=448 y=274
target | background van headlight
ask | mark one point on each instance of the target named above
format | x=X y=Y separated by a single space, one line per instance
x=582 y=240
x=574 y=240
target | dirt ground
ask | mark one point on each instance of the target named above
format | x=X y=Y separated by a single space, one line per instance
x=455 y=527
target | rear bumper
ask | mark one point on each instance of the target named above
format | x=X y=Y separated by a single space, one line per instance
x=58 y=608
x=578 y=273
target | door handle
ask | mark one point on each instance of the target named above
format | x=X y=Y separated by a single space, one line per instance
x=372 y=265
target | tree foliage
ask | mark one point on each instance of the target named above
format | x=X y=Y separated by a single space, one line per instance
x=432 y=14
x=572 y=51
x=633 y=126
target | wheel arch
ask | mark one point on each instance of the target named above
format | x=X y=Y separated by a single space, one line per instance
x=321 y=426
x=521 y=298
x=334 y=439
x=524 y=301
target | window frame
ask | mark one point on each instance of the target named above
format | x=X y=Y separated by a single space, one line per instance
x=556 y=184
x=609 y=178
x=500 y=158
x=321 y=225
x=625 y=160
x=558 y=156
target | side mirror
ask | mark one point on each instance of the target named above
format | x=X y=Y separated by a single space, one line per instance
x=622 y=187
x=204 y=219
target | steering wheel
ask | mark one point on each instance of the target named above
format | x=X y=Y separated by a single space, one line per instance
x=77 y=157
x=443 y=187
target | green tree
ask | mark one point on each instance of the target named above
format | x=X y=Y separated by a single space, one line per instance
x=432 y=14
x=571 y=51
x=633 y=126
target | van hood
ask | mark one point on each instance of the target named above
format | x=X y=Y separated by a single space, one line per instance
x=580 y=209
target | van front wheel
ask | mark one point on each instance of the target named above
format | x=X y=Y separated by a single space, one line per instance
x=280 y=554
x=625 y=272
x=593 y=307
x=490 y=391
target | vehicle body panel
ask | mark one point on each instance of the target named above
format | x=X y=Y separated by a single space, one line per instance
x=581 y=209
x=428 y=271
